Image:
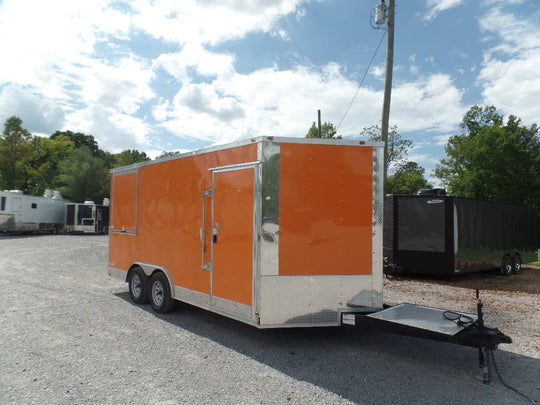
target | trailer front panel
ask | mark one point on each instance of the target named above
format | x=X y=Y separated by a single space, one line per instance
x=274 y=232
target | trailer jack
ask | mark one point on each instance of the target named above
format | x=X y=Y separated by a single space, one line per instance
x=434 y=324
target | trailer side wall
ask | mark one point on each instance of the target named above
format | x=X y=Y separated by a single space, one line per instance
x=272 y=233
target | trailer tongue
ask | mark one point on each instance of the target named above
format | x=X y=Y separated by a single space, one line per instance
x=434 y=324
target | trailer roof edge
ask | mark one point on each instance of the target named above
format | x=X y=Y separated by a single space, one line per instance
x=315 y=141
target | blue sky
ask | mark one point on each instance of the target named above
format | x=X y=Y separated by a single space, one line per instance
x=168 y=75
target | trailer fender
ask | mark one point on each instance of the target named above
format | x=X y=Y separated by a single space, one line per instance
x=151 y=269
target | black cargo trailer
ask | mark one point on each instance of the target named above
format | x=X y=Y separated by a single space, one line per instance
x=452 y=235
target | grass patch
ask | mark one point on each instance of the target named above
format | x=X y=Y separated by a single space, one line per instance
x=535 y=264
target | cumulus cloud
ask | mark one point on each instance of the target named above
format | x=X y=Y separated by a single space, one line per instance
x=435 y=7
x=40 y=116
x=209 y=22
x=77 y=68
x=433 y=103
x=509 y=75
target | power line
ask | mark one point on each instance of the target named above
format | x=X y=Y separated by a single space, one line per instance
x=362 y=81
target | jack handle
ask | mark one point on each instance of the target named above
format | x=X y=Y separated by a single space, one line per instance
x=479 y=310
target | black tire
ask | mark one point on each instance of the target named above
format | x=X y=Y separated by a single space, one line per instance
x=138 y=286
x=516 y=264
x=160 y=293
x=506 y=265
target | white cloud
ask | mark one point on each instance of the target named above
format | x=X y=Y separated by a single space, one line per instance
x=442 y=140
x=509 y=75
x=437 y=6
x=206 y=63
x=209 y=22
x=39 y=115
x=413 y=67
x=432 y=104
x=74 y=73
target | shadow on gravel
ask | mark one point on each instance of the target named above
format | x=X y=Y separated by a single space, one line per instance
x=355 y=363
x=10 y=236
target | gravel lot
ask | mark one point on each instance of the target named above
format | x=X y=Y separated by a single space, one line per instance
x=71 y=335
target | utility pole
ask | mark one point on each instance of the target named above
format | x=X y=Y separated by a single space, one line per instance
x=319 y=125
x=387 y=83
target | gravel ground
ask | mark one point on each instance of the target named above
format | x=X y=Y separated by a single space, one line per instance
x=70 y=335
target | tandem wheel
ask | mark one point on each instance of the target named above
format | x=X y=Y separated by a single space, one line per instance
x=138 y=285
x=160 y=293
x=506 y=265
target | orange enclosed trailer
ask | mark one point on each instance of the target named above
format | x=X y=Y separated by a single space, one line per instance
x=274 y=232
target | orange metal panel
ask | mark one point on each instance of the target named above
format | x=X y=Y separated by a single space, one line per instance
x=233 y=247
x=325 y=214
x=124 y=202
x=169 y=207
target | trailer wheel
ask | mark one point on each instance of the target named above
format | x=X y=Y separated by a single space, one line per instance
x=506 y=265
x=160 y=293
x=516 y=264
x=138 y=286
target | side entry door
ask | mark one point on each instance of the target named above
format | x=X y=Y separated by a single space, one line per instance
x=232 y=237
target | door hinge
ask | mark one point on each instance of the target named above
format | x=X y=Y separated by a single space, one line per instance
x=207 y=267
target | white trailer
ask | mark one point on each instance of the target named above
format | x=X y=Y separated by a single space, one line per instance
x=26 y=213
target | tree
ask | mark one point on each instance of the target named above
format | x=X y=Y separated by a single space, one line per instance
x=83 y=176
x=328 y=131
x=408 y=178
x=166 y=154
x=129 y=157
x=493 y=161
x=404 y=177
x=43 y=163
x=14 y=155
x=397 y=147
x=79 y=140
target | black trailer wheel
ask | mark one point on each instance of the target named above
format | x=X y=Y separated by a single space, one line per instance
x=138 y=286
x=506 y=265
x=160 y=293
x=516 y=264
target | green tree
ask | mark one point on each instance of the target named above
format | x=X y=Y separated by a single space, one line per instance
x=493 y=161
x=14 y=155
x=328 y=131
x=43 y=164
x=408 y=178
x=83 y=176
x=129 y=157
x=79 y=140
x=167 y=154
x=397 y=147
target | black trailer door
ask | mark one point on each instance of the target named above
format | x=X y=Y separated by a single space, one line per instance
x=423 y=229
